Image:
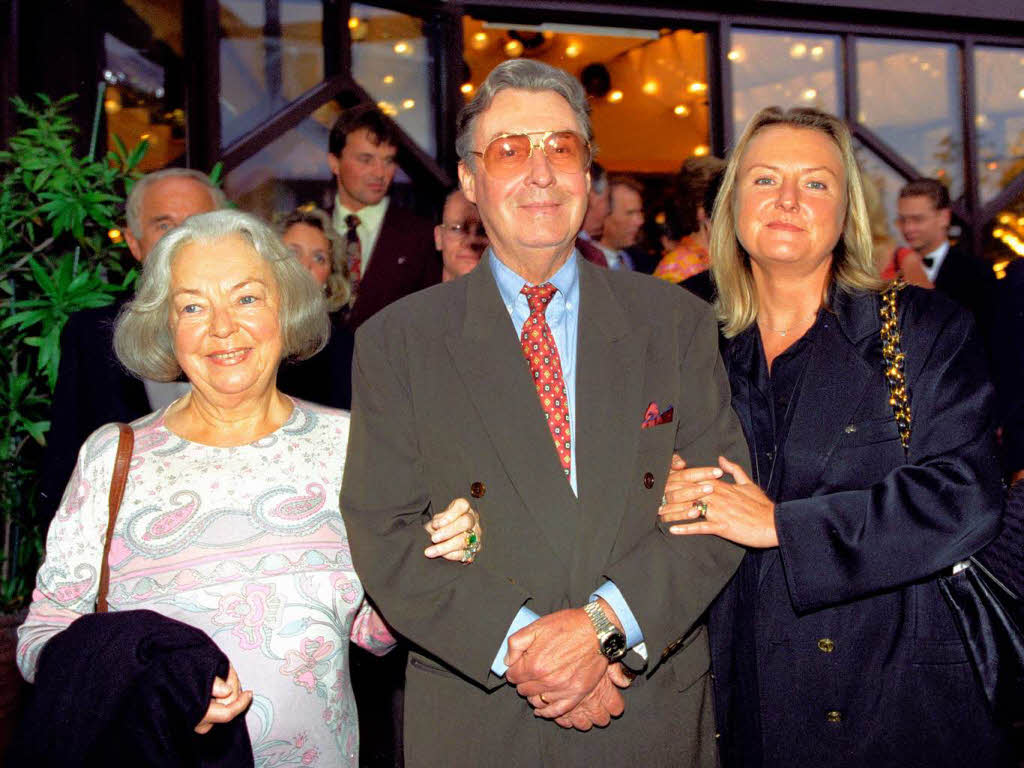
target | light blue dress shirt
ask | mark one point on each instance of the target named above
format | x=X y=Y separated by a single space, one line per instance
x=562 y=315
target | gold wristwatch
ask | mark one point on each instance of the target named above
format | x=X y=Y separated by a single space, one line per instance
x=610 y=638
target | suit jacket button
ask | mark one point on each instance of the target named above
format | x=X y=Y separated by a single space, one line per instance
x=648 y=480
x=834 y=716
x=825 y=645
x=477 y=489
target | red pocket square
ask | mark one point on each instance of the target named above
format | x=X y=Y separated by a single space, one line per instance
x=653 y=417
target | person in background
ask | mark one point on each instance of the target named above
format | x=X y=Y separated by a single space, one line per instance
x=833 y=645
x=388 y=250
x=460 y=237
x=925 y=214
x=92 y=387
x=326 y=377
x=891 y=258
x=230 y=520
x=593 y=220
x=689 y=256
x=623 y=222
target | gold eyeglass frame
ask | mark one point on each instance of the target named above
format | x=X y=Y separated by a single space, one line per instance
x=541 y=145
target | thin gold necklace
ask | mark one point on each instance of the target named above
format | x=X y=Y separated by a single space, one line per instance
x=784 y=331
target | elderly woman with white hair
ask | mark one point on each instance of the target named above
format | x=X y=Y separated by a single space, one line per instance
x=229 y=521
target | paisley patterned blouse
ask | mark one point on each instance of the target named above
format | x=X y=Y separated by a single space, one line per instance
x=247 y=543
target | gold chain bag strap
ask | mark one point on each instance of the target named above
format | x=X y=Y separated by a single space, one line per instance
x=125 y=445
x=894 y=361
x=988 y=614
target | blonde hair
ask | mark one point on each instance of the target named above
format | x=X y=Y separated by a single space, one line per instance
x=337 y=290
x=142 y=337
x=853 y=267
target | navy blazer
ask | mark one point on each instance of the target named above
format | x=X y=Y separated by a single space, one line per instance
x=836 y=648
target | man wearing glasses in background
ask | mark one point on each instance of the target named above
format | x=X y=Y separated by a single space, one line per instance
x=552 y=394
x=460 y=237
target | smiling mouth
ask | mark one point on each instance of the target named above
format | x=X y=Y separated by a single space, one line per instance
x=230 y=357
x=785 y=227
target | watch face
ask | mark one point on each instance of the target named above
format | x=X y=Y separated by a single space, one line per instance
x=614 y=645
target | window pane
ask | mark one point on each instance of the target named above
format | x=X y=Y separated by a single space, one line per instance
x=144 y=72
x=887 y=184
x=772 y=68
x=649 y=95
x=909 y=94
x=391 y=61
x=293 y=170
x=266 y=60
x=1004 y=235
x=287 y=172
x=999 y=122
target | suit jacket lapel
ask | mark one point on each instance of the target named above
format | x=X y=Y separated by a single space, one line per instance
x=609 y=408
x=487 y=355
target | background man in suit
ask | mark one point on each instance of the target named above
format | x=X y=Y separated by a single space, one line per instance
x=565 y=454
x=593 y=220
x=924 y=215
x=460 y=237
x=93 y=388
x=622 y=224
x=389 y=250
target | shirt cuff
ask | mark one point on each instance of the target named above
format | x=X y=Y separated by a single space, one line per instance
x=614 y=598
x=523 y=618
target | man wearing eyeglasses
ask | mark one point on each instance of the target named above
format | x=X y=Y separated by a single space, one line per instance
x=460 y=237
x=552 y=393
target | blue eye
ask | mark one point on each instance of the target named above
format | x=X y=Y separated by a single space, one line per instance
x=247 y=300
x=763 y=181
x=817 y=185
x=191 y=308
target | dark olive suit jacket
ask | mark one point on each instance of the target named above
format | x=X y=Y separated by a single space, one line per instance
x=443 y=399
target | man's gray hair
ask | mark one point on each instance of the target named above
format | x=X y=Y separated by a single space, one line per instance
x=526 y=75
x=142 y=336
x=133 y=205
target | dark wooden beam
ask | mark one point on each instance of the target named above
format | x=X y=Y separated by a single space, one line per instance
x=8 y=68
x=201 y=26
x=721 y=128
x=851 y=99
x=969 y=161
x=283 y=121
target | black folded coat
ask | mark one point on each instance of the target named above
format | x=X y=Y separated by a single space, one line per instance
x=127 y=688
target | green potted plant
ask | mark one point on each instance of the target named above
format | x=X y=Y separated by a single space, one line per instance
x=60 y=251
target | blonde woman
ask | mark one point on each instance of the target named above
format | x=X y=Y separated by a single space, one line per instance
x=833 y=645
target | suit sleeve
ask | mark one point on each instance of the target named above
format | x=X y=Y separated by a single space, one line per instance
x=669 y=581
x=937 y=509
x=458 y=614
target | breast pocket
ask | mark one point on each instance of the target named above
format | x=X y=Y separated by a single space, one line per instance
x=869 y=432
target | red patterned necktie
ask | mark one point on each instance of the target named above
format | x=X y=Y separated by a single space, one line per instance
x=353 y=254
x=546 y=367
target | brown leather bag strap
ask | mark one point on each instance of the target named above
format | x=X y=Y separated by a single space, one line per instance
x=125 y=445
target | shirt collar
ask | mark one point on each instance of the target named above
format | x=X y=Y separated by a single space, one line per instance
x=510 y=283
x=370 y=216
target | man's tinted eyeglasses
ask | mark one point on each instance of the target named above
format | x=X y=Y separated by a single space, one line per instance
x=506 y=155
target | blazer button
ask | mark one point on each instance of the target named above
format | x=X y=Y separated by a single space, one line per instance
x=834 y=716
x=648 y=480
x=477 y=489
x=850 y=429
x=825 y=645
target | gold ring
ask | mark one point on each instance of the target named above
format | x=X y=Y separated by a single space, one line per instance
x=702 y=507
x=543 y=700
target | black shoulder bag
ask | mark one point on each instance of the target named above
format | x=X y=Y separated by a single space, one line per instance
x=988 y=613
